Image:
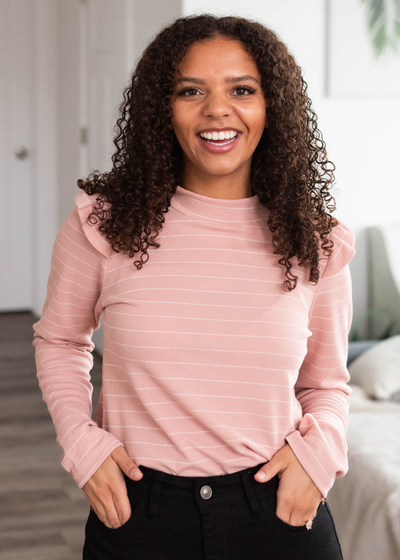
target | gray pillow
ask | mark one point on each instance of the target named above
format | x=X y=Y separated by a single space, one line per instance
x=377 y=370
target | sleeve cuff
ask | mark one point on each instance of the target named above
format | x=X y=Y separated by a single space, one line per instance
x=310 y=463
x=91 y=455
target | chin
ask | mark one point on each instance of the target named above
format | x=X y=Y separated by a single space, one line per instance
x=220 y=169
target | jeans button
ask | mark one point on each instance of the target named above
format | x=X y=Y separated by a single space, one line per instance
x=206 y=492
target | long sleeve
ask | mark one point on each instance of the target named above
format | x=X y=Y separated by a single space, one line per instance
x=321 y=388
x=63 y=345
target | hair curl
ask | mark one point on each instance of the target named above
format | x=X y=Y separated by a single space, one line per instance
x=289 y=171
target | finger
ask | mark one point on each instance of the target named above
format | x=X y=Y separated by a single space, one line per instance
x=291 y=512
x=118 y=495
x=268 y=471
x=126 y=464
x=299 y=516
x=123 y=508
x=283 y=511
x=108 y=514
x=101 y=512
x=113 y=509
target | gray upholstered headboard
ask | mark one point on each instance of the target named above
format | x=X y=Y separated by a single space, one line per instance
x=384 y=279
x=384 y=286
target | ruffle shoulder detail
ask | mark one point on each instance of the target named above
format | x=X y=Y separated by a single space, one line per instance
x=84 y=204
x=342 y=252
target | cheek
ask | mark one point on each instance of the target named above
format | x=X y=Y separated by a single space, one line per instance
x=254 y=119
x=180 y=125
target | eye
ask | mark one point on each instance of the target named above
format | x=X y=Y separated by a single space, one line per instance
x=184 y=91
x=246 y=89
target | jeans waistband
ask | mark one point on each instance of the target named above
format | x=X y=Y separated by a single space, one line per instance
x=203 y=491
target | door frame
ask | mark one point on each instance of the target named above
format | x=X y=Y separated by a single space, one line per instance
x=45 y=199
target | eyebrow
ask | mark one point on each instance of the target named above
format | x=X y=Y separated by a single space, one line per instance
x=229 y=80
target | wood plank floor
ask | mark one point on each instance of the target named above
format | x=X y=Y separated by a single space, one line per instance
x=42 y=510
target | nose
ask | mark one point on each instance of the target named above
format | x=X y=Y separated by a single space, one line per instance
x=217 y=105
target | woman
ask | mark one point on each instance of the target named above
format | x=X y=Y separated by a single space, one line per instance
x=221 y=422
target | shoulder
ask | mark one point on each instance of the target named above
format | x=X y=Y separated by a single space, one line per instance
x=77 y=219
x=343 y=249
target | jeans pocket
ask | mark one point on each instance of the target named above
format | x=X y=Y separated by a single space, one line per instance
x=268 y=505
x=135 y=499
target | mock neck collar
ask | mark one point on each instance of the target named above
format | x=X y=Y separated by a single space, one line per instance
x=199 y=206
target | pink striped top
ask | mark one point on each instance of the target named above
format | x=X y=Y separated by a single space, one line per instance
x=209 y=366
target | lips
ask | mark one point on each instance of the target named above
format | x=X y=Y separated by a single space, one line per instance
x=219 y=146
x=226 y=129
x=223 y=141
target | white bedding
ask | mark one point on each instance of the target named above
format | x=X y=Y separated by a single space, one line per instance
x=366 y=502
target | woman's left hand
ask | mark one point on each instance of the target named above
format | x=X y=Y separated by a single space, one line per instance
x=298 y=497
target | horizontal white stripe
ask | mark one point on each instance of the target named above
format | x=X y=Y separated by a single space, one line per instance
x=165 y=460
x=330 y=304
x=53 y=333
x=71 y=416
x=140 y=426
x=74 y=294
x=198 y=349
x=213 y=236
x=208 y=263
x=89 y=448
x=192 y=290
x=62 y=260
x=190 y=303
x=47 y=320
x=313 y=366
x=65 y=433
x=310 y=351
x=83 y=248
x=204 y=410
x=195 y=447
x=173 y=317
x=54 y=268
x=209 y=396
x=195 y=379
x=50 y=310
x=213 y=334
x=247 y=367
x=52 y=299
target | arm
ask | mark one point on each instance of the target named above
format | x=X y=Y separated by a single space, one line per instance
x=316 y=452
x=63 y=347
x=319 y=442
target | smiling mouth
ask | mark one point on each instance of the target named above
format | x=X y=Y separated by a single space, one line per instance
x=220 y=142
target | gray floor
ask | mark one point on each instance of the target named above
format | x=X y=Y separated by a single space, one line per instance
x=42 y=511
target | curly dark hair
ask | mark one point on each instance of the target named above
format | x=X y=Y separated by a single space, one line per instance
x=289 y=170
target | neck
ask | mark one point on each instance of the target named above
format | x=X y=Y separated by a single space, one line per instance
x=230 y=186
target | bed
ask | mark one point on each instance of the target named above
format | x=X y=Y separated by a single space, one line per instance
x=366 y=501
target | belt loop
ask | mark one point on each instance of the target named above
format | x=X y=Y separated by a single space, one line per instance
x=251 y=496
x=155 y=494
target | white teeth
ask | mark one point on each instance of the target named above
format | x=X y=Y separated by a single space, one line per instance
x=218 y=135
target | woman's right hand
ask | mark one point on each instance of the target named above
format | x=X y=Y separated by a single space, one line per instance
x=106 y=488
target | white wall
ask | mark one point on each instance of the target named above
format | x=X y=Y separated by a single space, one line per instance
x=45 y=145
x=361 y=135
x=56 y=126
x=68 y=92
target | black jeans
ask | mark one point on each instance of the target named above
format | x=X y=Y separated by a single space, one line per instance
x=228 y=517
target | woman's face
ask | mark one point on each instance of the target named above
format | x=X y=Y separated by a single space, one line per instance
x=218 y=90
